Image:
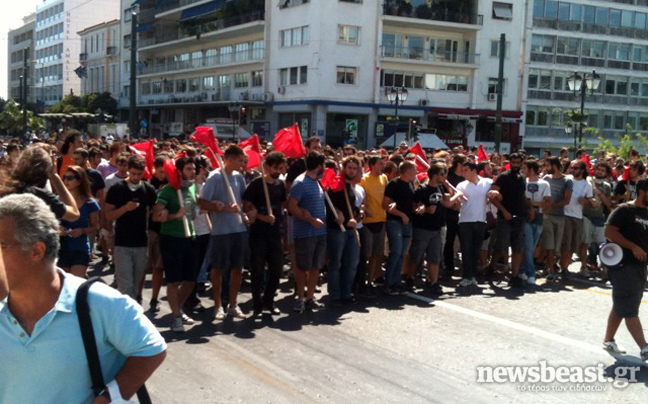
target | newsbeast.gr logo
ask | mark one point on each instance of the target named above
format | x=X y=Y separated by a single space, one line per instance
x=544 y=377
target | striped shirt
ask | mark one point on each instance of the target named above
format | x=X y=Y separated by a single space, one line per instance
x=310 y=196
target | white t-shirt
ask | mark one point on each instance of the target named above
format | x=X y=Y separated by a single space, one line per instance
x=359 y=199
x=474 y=208
x=582 y=188
x=538 y=190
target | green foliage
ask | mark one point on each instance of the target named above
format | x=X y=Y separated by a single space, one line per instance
x=11 y=119
x=70 y=103
x=87 y=103
x=627 y=142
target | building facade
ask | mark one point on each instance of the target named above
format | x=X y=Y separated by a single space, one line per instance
x=582 y=36
x=100 y=56
x=21 y=45
x=58 y=45
x=199 y=61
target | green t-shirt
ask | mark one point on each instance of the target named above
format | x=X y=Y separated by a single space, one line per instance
x=168 y=197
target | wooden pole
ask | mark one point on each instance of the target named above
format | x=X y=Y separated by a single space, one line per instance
x=265 y=191
x=348 y=204
x=227 y=183
x=330 y=204
x=185 y=221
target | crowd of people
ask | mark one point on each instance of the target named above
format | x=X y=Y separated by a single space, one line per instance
x=370 y=220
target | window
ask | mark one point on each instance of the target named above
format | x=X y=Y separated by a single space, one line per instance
x=348 y=34
x=294 y=37
x=146 y=88
x=208 y=83
x=563 y=11
x=616 y=85
x=560 y=81
x=156 y=88
x=242 y=52
x=492 y=85
x=626 y=18
x=619 y=51
x=257 y=78
x=543 y=43
x=224 y=81
x=533 y=78
x=576 y=12
x=293 y=75
x=640 y=20
x=346 y=75
x=601 y=15
x=594 y=49
x=503 y=11
x=429 y=81
x=615 y=18
x=568 y=46
x=241 y=80
x=551 y=9
x=194 y=85
x=495 y=46
x=168 y=86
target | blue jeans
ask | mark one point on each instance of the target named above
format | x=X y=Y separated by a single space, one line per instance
x=532 y=234
x=471 y=238
x=399 y=236
x=344 y=254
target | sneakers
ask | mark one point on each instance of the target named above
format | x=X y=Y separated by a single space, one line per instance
x=177 y=325
x=524 y=277
x=516 y=282
x=435 y=288
x=236 y=312
x=153 y=306
x=273 y=311
x=585 y=272
x=220 y=313
x=531 y=281
x=311 y=304
x=391 y=290
x=186 y=319
x=644 y=353
x=300 y=305
x=465 y=282
x=612 y=346
x=552 y=278
x=409 y=283
x=564 y=274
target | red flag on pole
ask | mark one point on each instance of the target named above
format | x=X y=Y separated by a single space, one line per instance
x=481 y=154
x=626 y=174
x=205 y=136
x=289 y=142
x=420 y=166
x=212 y=158
x=331 y=180
x=145 y=150
x=172 y=174
x=588 y=165
x=252 y=147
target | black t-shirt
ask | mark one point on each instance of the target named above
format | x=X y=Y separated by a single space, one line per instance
x=512 y=187
x=49 y=198
x=157 y=184
x=632 y=222
x=96 y=181
x=430 y=195
x=623 y=185
x=255 y=195
x=130 y=228
x=402 y=193
x=295 y=170
x=339 y=201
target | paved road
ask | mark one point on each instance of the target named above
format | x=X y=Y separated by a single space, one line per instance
x=406 y=349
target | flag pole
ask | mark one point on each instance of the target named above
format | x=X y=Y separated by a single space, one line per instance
x=227 y=183
x=185 y=221
x=265 y=191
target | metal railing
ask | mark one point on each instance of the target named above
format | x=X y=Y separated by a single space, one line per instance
x=211 y=61
x=399 y=9
x=426 y=55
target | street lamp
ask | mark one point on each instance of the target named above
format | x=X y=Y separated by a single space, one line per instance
x=234 y=107
x=577 y=85
x=396 y=96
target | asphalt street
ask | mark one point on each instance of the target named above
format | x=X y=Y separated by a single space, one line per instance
x=405 y=349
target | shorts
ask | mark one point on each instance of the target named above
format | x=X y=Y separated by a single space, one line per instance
x=572 y=234
x=373 y=243
x=69 y=258
x=628 y=283
x=179 y=258
x=592 y=233
x=228 y=251
x=289 y=230
x=425 y=243
x=509 y=233
x=310 y=252
x=154 y=255
x=552 y=232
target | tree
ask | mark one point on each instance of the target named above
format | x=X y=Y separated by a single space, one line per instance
x=104 y=102
x=12 y=119
x=69 y=104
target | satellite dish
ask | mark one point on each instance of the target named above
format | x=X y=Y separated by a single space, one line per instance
x=611 y=254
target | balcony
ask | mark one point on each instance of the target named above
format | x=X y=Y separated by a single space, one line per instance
x=112 y=50
x=435 y=13
x=208 y=62
x=203 y=97
x=425 y=56
x=200 y=29
x=591 y=28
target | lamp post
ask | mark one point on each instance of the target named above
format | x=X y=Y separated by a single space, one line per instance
x=396 y=96
x=577 y=85
x=568 y=130
x=234 y=107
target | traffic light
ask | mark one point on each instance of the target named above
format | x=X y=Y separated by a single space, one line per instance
x=243 y=116
x=414 y=131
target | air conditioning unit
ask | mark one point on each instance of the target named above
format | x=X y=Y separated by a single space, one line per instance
x=267 y=97
x=492 y=97
x=423 y=103
x=281 y=90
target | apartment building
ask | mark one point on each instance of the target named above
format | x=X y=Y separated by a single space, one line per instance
x=100 y=57
x=20 y=45
x=286 y=63
x=609 y=38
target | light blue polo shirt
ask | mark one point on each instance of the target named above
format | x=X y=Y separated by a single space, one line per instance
x=215 y=189
x=50 y=366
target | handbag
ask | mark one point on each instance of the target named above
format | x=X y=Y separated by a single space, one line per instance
x=90 y=345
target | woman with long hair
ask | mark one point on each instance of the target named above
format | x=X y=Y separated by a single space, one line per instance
x=74 y=255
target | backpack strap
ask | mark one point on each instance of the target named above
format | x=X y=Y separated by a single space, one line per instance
x=87 y=333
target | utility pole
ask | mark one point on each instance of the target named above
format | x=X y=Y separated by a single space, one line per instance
x=26 y=92
x=132 y=112
x=500 y=91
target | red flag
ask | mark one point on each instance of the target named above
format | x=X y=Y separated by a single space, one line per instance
x=418 y=150
x=588 y=165
x=481 y=154
x=205 y=136
x=332 y=180
x=212 y=157
x=172 y=173
x=422 y=176
x=252 y=147
x=145 y=150
x=180 y=155
x=383 y=152
x=626 y=174
x=289 y=142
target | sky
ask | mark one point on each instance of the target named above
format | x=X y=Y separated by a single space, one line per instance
x=11 y=18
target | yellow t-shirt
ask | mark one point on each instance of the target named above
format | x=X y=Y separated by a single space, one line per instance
x=375 y=189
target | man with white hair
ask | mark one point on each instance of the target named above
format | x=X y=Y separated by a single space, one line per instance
x=39 y=326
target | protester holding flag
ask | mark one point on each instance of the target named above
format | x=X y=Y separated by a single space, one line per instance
x=178 y=248
x=229 y=233
x=343 y=245
x=265 y=235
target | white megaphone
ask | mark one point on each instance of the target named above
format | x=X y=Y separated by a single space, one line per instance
x=611 y=254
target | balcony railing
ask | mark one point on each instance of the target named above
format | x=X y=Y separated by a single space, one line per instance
x=211 y=61
x=167 y=5
x=428 y=56
x=202 y=28
x=399 y=9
